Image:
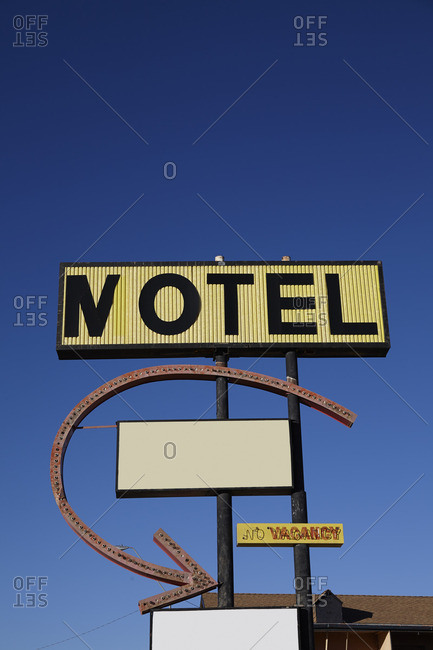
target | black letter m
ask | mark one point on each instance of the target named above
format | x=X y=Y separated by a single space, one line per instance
x=78 y=295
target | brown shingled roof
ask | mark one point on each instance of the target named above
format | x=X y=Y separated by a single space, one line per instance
x=358 y=610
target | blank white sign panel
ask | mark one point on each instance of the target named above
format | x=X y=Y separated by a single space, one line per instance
x=229 y=629
x=195 y=458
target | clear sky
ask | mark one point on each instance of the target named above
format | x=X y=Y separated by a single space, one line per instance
x=281 y=139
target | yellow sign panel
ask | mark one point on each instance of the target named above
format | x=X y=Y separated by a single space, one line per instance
x=289 y=534
x=194 y=309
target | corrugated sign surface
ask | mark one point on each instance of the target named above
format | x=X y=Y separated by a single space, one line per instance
x=193 y=309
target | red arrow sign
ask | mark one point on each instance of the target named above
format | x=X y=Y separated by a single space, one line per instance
x=197 y=580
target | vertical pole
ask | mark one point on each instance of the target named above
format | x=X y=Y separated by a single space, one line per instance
x=301 y=552
x=224 y=506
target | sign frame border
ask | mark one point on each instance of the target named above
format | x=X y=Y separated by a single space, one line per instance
x=216 y=609
x=286 y=490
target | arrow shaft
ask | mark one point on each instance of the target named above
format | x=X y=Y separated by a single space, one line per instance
x=164 y=574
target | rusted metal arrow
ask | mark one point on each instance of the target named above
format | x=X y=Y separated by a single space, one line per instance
x=197 y=580
x=193 y=580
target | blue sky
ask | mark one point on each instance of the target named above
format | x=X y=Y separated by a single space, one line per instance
x=318 y=152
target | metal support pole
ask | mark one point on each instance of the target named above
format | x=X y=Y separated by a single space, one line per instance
x=301 y=552
x=224 y=507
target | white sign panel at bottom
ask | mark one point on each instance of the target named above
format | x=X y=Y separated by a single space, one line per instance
x=198 y=457
x=231 y=629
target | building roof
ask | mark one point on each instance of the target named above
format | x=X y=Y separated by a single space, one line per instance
x=356 y=610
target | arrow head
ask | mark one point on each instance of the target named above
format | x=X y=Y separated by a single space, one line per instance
x=198 y=581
